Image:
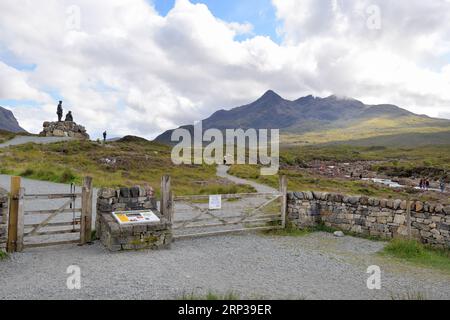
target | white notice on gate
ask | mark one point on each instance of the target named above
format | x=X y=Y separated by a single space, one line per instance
x=215 y=202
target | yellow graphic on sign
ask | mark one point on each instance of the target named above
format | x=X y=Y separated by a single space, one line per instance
x=123 y=218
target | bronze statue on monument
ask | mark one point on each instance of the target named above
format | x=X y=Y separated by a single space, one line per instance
x=59 y=111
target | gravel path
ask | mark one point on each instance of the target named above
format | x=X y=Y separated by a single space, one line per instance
x=222 y=172
x=317 y=266
x=33 y=139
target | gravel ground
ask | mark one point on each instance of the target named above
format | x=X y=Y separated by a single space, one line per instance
x=317 y=266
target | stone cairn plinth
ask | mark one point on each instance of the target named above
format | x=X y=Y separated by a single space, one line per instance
x=64 y=129
x=116 y=237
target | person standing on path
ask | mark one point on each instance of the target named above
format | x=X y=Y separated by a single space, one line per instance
x=104 y=137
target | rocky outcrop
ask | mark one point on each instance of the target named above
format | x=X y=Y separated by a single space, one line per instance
x=64 y=129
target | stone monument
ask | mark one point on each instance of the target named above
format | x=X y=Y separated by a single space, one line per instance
x=67 y=128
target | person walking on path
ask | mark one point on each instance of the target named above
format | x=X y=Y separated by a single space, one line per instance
x=104 y=137
x=442 y=184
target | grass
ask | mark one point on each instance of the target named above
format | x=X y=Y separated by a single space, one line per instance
x=419 y=254
x=6 y=135
x=3 y=255
x=430 y=160
x=288 y=232
x=121 y=163
x=210 y=296
x=137 y=161
x=303 y=181
x=414 y=296
x=292 y=230
x=370 y=129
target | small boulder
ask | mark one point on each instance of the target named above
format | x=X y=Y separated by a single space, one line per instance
x=339 y=234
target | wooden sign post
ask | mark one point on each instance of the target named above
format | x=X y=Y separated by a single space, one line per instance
x=166 y=198
x=86 y=211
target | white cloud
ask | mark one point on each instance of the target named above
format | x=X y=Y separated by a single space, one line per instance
x=16 y=84
x=128 y=70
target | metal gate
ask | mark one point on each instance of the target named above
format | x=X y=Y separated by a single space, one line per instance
x=239 y=213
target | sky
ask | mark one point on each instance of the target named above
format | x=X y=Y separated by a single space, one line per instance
x=144 y=66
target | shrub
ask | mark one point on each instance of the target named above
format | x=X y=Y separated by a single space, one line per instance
x=417 y=253
x=3 y=255
x=405 y=249
x=27 y=172
x=67 y=176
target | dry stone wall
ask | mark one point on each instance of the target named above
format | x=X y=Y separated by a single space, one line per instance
x=3 y=217
x=384 y=218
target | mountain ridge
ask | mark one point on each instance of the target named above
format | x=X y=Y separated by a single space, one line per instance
x=311 y=114
x=8 y=121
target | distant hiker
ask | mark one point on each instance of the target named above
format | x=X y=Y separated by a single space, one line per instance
x=104 y=137
x=427 y=185
x=421 y=184
x=361 y=176
x=69 y=117
x=225 y=161
x=442 y=185
x=59 y=111
x=352 y=174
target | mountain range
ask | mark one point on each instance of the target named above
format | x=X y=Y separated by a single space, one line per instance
x=8 y=122
x=315 y=120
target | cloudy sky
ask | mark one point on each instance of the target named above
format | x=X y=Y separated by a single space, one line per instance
x=142 y=66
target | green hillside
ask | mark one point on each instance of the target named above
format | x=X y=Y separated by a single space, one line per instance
x=123 y=163
x=407 y=130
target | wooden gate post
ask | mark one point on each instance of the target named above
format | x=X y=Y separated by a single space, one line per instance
x=283 y=191
x=166 y=198
x=86 y=211
x=13 y=222
x=20 y=221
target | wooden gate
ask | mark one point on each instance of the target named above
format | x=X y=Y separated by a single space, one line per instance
x=67 y=223
x=239 y=213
